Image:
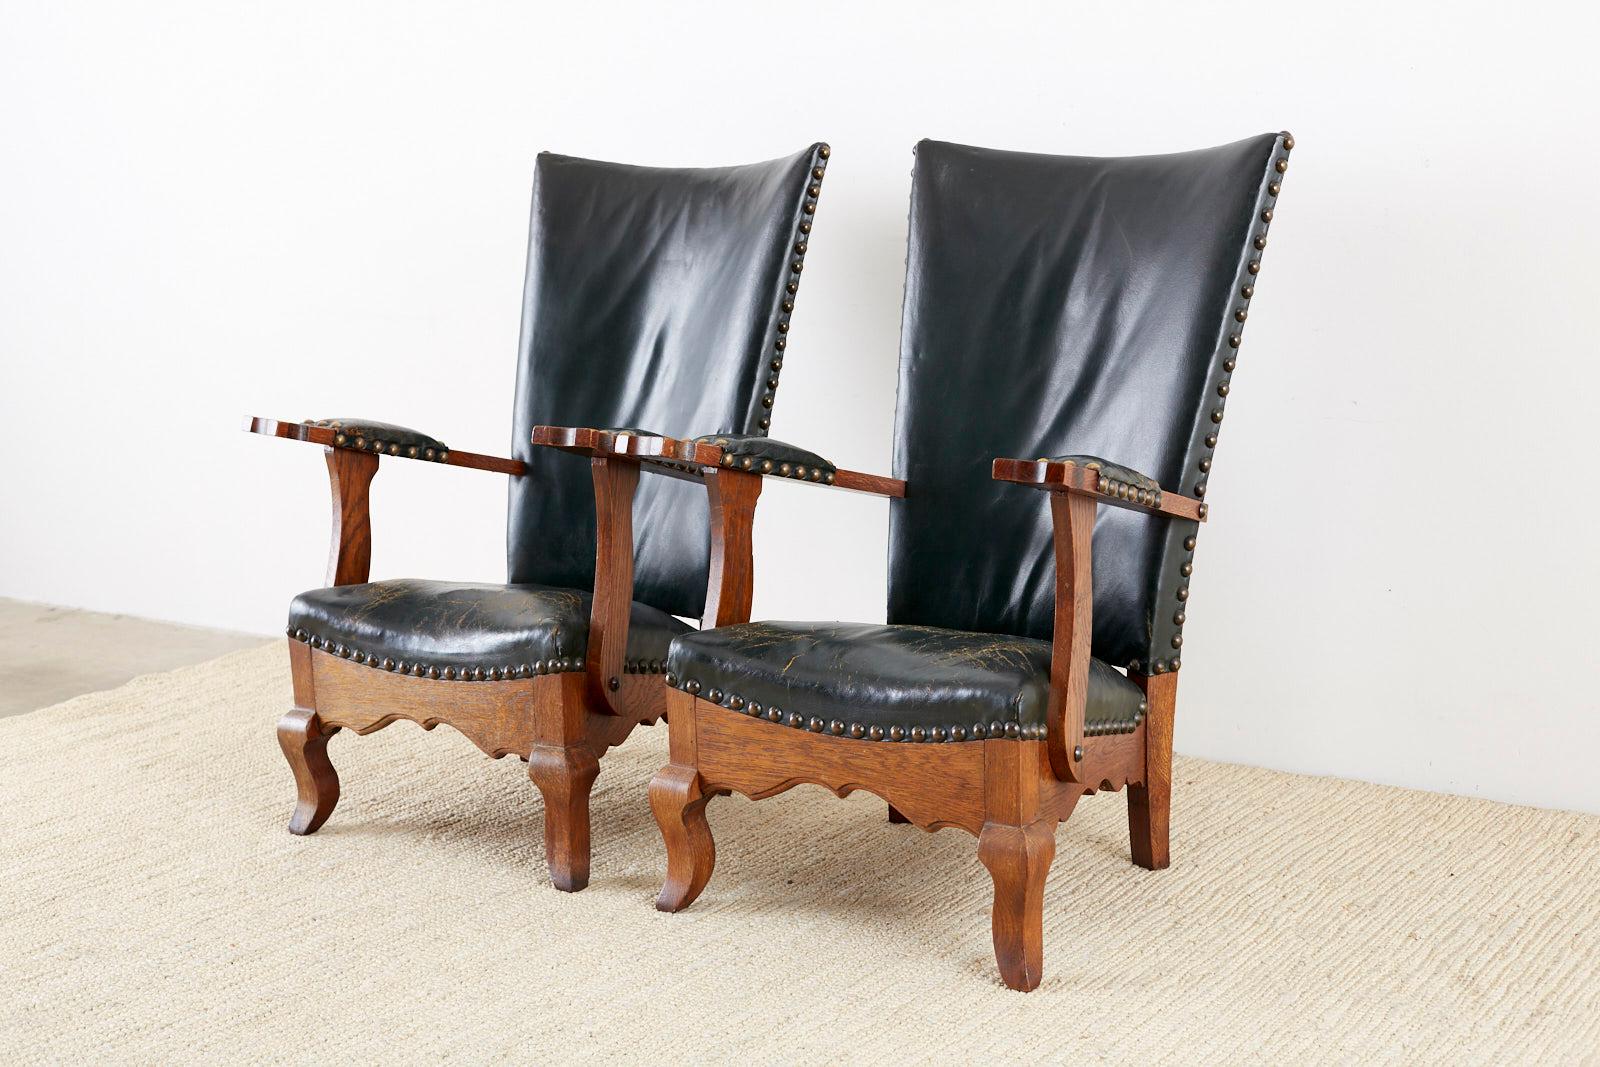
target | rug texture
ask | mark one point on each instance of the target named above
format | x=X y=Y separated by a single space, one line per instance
x=154 y=909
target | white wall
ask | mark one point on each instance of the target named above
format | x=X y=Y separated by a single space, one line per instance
x=296 y=210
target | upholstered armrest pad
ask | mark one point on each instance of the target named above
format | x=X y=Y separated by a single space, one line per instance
x=1112 y=482
x=1114 y=472
x=387 y=438
x=766 y=456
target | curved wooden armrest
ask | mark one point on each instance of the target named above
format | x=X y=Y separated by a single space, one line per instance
x=330 y=437
x=693 y=459
x=1097 y=481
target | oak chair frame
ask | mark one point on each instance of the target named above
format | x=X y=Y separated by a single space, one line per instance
x=560 y=724
x=1010 y=793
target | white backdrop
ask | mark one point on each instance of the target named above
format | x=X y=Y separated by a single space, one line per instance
x=297 y=210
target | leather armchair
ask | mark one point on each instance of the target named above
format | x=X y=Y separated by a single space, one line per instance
x=654 y=297
x=1030 y=654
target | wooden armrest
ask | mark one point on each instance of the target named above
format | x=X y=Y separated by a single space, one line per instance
x=1096 y=478
x=694 y=459
x=332 y=437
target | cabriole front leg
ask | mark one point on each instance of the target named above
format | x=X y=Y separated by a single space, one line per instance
x=304 y=741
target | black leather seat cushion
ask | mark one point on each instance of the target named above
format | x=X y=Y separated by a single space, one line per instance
x=897 y=683
x=461 y=630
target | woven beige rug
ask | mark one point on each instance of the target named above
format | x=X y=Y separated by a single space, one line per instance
x=153 y=909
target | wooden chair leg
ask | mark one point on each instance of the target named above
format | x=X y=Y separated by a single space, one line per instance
x=1018 y=858
x=895 y=816
x=305 y=745
x=679 y=804
x=564 y=775
x=1150 y=804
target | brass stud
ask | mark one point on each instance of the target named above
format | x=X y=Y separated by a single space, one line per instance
x=780 y=344
x=792 y=287
x=805 y=227
x=412 y=452
x=958 y=733
x=1077 y=753
x=875 y=733
x=772 y=381
x=897 y=733
x=1240 y=315
x=449 y=674
x=444 y=456
x=797 y=267
x=714 y=695
x=1254 y=267
x=816 y=172
x=692 y=687
x=1205 y=465
x=1204 y=510
x=766 y=466
x=1013 y=730
x=816 y=473
x=1275 y=188
x=1211 y=440
x=1183 y=592
x=361 y=442
x=1234 y=340
x=1103 y=484
x=918 y=734
x=824 y=151
x=856 y=729
x=1189 y=543
x=766 y=401
x=1281 y=165
x=1260 y=242
x=671 y=679
x=815 y=725
x=836 y=728
x=338 y=438
x=795 y=719
x=1216 y=416
x=1180 y=618
x=1266 y=216
x=1222 y=389
x=815 y=190
x=776 y=364
x=747 y=462
x=783 y=327
x=809 y=208
x=800 y=248
x=1186 y=570
x=1248 y=291
x=1230 y=363
x=788 y=305
x=828 y=478
x=764 y=423
x=783 y=469
x=979 y=731
x=774 y=714
x=727 y=460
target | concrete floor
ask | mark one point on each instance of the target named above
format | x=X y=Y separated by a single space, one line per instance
x=50 y=654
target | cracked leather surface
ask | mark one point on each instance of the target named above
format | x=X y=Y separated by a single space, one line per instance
x=460 y=624
x=908 y=676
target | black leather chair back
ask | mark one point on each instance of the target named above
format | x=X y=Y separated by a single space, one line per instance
x=656 y=299
x=1061 y=305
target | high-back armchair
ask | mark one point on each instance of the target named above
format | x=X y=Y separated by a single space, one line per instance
x=1071 y=325
x=657 y=301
